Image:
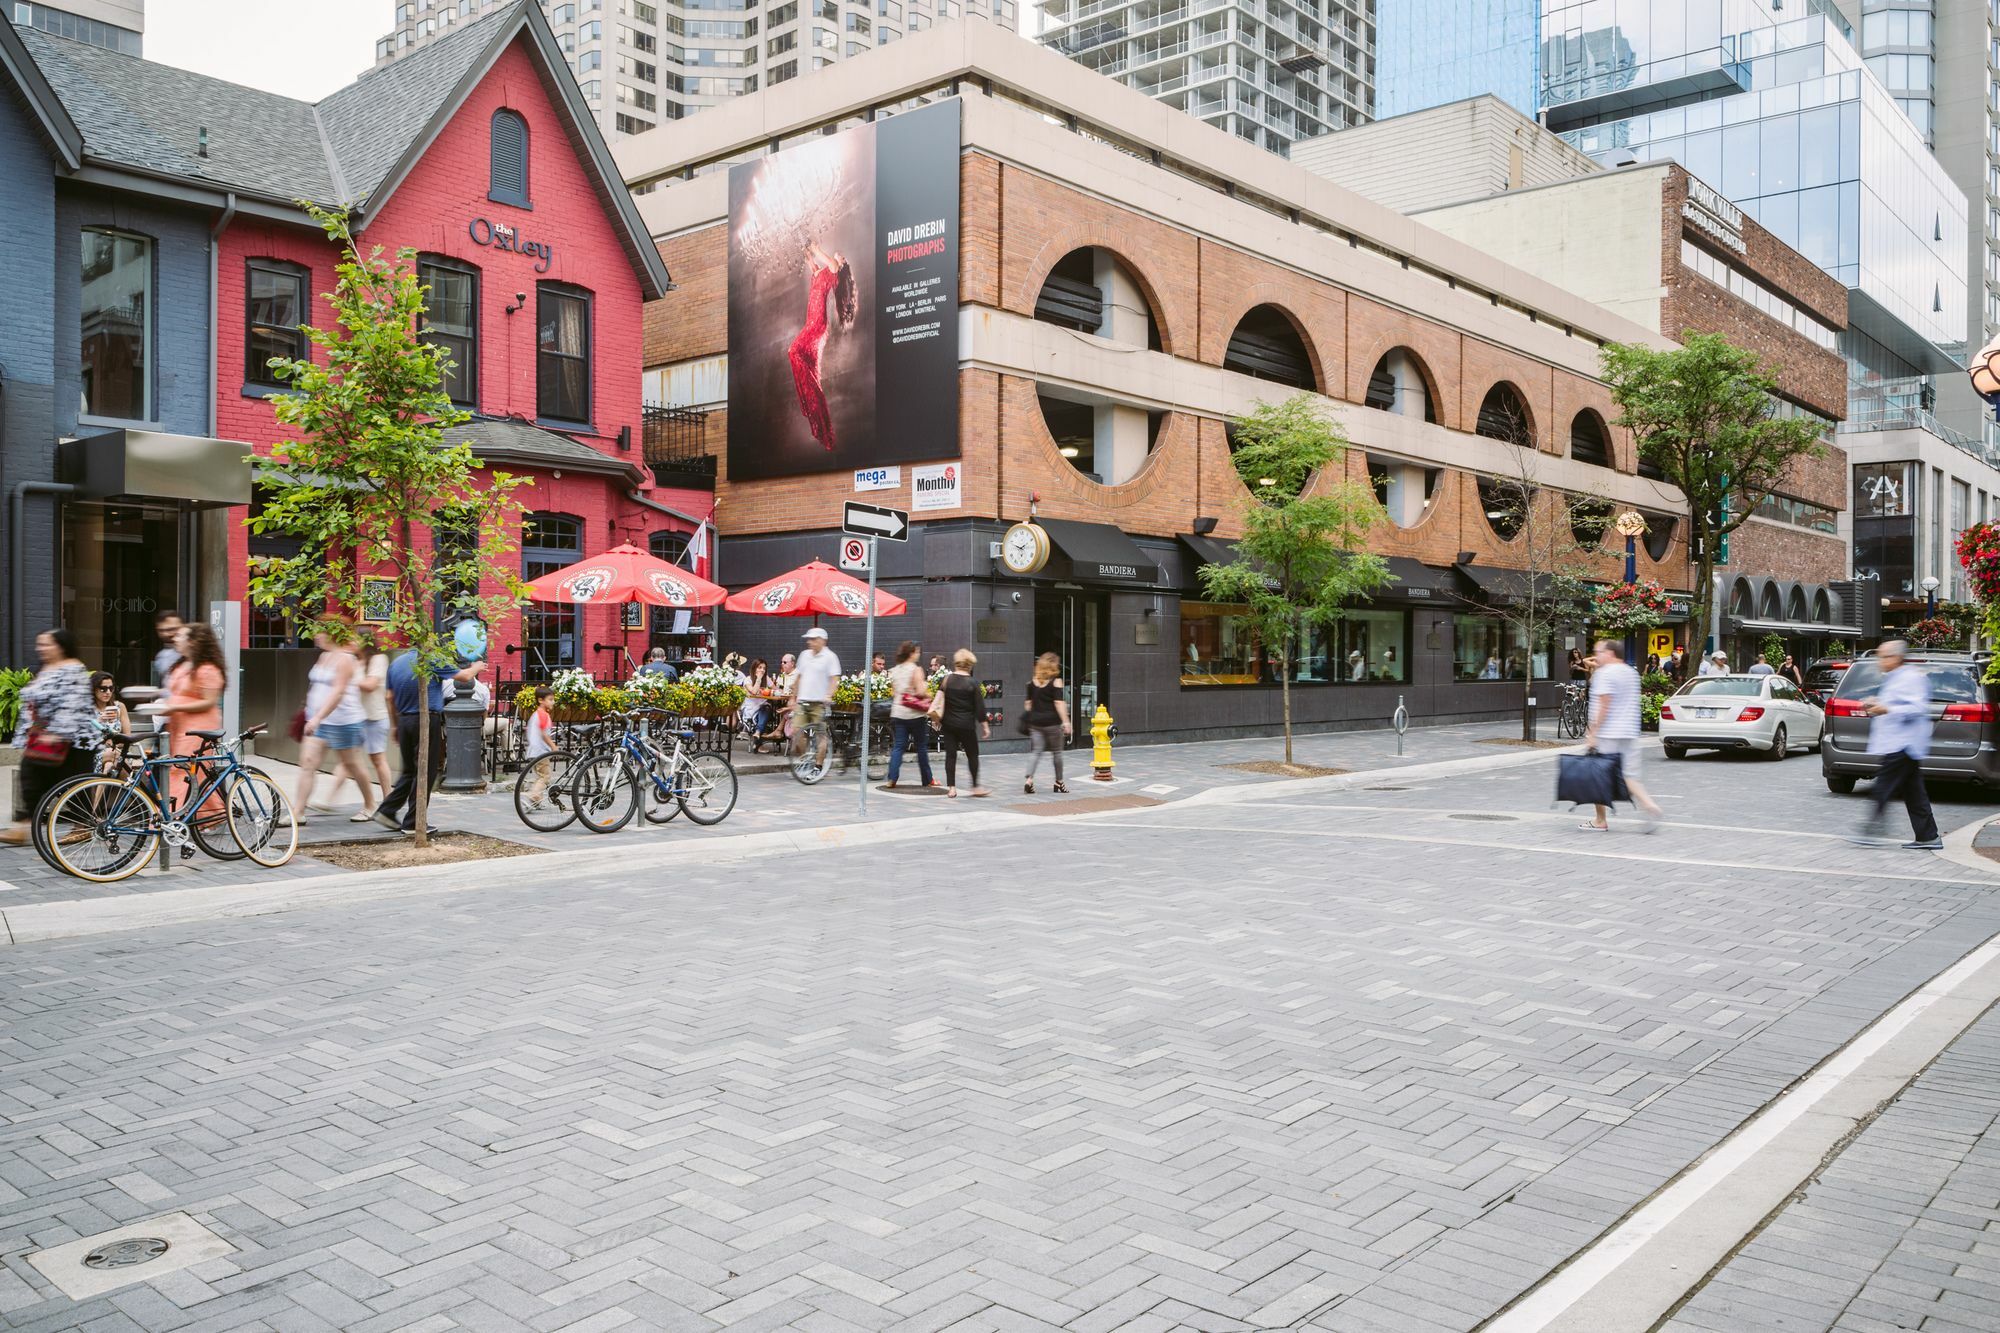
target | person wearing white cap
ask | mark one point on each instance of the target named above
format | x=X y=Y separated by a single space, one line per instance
x=1716 y=664
x=812 y=693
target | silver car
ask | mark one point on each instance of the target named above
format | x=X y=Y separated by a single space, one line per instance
x=1963 y=719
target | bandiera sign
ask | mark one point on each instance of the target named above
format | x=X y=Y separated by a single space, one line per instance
x=503 y=237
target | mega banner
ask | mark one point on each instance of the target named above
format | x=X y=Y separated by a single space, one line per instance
x=843 y=300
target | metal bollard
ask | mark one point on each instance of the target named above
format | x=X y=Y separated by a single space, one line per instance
x=1402 y=723
x=464 y=741
x=1100 y=745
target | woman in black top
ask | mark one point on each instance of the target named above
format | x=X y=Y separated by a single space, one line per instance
x=1047 y=718
x=963 y=722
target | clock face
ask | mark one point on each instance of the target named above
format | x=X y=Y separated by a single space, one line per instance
x=1022 y=549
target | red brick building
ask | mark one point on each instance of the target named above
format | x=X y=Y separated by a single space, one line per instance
x=1129 y=281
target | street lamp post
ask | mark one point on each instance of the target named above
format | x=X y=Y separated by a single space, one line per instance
x=1930 y=586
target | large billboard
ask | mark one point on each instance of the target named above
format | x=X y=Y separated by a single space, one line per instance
x=843 y=300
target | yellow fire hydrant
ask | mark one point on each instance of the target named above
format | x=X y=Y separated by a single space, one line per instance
x=1100 y=745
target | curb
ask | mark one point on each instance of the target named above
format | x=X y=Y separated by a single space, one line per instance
x=1958 y=847
x=42 y=922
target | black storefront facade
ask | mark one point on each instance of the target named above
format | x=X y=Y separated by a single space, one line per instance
x=1127 y=616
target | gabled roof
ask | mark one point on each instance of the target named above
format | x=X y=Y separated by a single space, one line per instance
x=511 y=440
x=31 y=86
x=353 y=148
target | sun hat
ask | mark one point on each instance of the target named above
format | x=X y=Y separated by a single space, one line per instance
x=814 y=633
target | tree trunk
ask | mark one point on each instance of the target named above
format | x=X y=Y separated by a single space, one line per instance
x=1285 y=690
x=1702 y=607
x=420 y=790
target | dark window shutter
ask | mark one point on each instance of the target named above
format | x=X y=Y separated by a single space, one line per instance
x=510 y=158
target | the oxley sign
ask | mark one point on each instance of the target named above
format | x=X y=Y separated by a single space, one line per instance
x=503 y=237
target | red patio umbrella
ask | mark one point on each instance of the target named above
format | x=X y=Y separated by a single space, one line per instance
x=814 y=589
x=626 y=574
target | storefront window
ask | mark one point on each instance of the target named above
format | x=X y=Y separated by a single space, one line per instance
x=1220 y=646
x=117 y=324
x=1489 y=648
x=548 y=543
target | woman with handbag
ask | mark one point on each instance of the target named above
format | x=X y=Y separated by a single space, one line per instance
x=193 y=703
x=59 y=731
x=909 y=714
x=1046 y=720
x=959 y=709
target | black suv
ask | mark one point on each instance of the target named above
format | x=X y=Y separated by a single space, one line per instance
x=1965 y=735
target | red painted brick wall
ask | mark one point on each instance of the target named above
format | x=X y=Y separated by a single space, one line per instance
x=430 y=212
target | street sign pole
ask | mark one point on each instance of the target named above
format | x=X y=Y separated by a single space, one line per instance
x=868 y=676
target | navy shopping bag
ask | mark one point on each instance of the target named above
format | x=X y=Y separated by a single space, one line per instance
x=1590 y=778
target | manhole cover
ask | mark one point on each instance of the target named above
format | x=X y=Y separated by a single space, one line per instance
x=125 y=1253
x=1485 y=819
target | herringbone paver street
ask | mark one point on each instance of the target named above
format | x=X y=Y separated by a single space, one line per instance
x=1366 y=1060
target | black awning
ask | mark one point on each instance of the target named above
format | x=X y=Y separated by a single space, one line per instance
x=1100 y=552
x=1497 y=585
x=1209 y=550
x=1416 y=580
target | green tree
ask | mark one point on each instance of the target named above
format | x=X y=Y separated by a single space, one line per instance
x=370 y=468
x=1299 y=565
x=1704 y=414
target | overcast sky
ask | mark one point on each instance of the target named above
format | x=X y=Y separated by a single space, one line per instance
x=301 y=50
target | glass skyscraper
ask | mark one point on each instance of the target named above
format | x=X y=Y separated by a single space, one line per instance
x=1430 y=52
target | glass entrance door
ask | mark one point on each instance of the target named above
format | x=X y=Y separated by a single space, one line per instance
x=1073 y=626
x=121 y=565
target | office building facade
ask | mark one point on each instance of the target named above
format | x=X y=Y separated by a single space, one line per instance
x=115 y=25
x=1272 y=72
x=642 y=62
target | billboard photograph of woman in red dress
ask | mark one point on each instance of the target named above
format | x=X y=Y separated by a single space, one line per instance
x=831 y=278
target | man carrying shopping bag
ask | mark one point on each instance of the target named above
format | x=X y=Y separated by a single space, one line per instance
x=1614 y=730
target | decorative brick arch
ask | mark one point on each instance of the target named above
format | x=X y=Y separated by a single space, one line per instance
x=1374 y=330
x=1165 y=482
x=1603 y=430
x=1432 y=398
x=1536 y=438
x=1067 y=242
x=1260 y=296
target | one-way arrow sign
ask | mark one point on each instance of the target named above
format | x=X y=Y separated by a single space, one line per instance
x=874 y=521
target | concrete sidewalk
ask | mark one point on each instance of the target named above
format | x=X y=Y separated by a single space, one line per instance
x=773 y=803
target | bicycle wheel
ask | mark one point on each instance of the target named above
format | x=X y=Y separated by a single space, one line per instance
x=102 y=829
x=708 y=787
x=807 y=766
x=552 y=807
x=38 y=826
x=211 y=829
x=606 y=791
x=261 y=819
x=661 y=803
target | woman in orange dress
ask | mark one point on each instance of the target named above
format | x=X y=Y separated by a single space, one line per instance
x=194 y=701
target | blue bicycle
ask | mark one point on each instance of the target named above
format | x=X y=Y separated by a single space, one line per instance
x=603 y=786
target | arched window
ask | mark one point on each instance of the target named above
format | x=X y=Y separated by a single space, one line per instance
x=1106 y=440
x=1588 y=440
x=1822 y=608
x=1740 y=599
x=1660 y=535
x=1405 y=490
x=1503 y=415
x=1092 y=290
x=1505 y=506
x=1401 y=385
x=1267 y=344
x=1795 y=606
x=1589 y=520
x=1770 y=606
x=508 y=183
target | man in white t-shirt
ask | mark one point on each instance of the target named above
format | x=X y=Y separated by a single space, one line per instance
x=1614 y=727
x=817 y=673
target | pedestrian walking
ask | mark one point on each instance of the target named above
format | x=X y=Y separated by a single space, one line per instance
x=58 y=732
x=1762 y=668
x=812 y=689
x=909 y=714
x=1614 y=728
x=193 y=701
x=1046 y=720
x=333 y=721
x=408 y=692
x=167 y=624
x=1901 y=734
x=1716 y=664
x=374 y=688
x=1789 y=669
x=960 y=711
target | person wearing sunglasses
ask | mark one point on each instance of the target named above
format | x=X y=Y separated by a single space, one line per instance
x=112 y=716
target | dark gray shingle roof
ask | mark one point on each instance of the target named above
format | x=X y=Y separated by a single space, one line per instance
x=370 y=123
x=150 y=117
x=506 y=440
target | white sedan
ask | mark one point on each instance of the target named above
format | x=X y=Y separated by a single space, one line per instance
x=1764 y=713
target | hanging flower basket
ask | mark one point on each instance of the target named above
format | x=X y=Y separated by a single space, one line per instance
x=1625 y=607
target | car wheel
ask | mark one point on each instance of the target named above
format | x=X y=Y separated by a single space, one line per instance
x=1780 y=744
x=1839 y=786
x=1674 y=751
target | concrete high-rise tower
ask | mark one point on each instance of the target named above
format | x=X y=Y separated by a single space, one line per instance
x=116 y=25
x=1270 y=71
x=642 y=62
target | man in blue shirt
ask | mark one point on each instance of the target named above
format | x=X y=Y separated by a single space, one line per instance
x=1901 y=734
x=405 y=701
